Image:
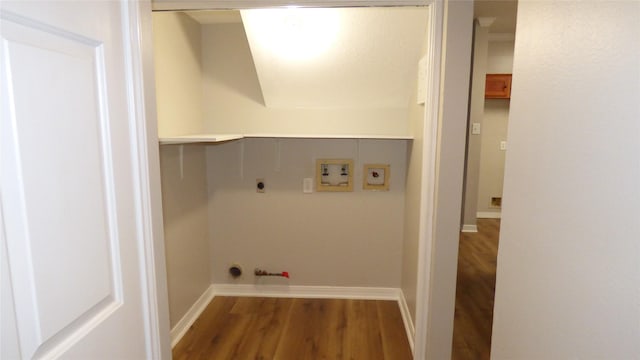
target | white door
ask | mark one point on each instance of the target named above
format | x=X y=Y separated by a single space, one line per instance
x=73 y=271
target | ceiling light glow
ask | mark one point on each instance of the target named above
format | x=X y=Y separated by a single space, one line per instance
x=294 y=34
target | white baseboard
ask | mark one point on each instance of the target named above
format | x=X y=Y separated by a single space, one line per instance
x=469 y=228
x=308 y=292
x=311 y=292
x=406 y=318
x=488 y=215
x=178 y=331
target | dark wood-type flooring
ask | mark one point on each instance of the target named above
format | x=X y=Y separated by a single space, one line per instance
x=242 y=328
x=475 y=290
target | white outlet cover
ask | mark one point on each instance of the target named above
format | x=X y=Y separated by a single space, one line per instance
x=475 y=129
x=307 y=185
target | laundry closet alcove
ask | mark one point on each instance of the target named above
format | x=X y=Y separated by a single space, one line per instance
x=232 y=110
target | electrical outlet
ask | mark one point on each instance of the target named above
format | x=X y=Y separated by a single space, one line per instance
x=475 y=129
x=307 y=185
x=503 y=145
x=260 y=185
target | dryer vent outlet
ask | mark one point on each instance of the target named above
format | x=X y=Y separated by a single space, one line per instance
x=235 y=270
x=260 y=185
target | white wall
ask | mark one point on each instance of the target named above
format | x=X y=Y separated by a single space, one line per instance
x=494 y=130
x=184 y=187
x=333 y=239
x=178 y=73
x=234 y=104
x=186 y=229
x=568 y=270
x=491 y=174
x=500 y=57
x=412 y=197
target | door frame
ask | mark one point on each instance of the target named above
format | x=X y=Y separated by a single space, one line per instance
x=144 y=142
x=148 y=144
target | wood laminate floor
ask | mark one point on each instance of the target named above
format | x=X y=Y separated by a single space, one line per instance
x=475 y=291
x=242 y=328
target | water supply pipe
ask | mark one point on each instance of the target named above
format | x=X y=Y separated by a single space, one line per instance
x=259 y=272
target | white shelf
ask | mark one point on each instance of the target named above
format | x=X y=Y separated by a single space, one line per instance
x=199 y=138
x=214 y=138
x=325 y=136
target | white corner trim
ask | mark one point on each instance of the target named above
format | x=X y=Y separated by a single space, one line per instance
x=309 y=292
x=427 y=193
x=142 y=121
x=502 y=37
x=489 y=215
x=466 y=228
x=191 y=316
x=406 y=318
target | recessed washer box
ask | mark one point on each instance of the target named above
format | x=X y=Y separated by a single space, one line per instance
x=334 y=175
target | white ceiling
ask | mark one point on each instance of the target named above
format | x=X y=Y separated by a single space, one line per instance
x=504 y=11
x=371 y=62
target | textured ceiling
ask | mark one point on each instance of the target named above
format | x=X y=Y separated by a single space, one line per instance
x=503 y=10
x=370 y=59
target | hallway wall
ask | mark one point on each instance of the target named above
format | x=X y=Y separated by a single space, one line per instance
x=568 y=273
x=495 y=122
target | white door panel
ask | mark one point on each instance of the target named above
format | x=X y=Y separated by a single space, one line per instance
x=67 y=183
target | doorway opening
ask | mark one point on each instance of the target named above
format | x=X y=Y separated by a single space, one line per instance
x=256 y=118
x=494 y=35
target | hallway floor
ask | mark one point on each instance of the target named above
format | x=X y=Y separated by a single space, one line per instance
x=475 y=291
